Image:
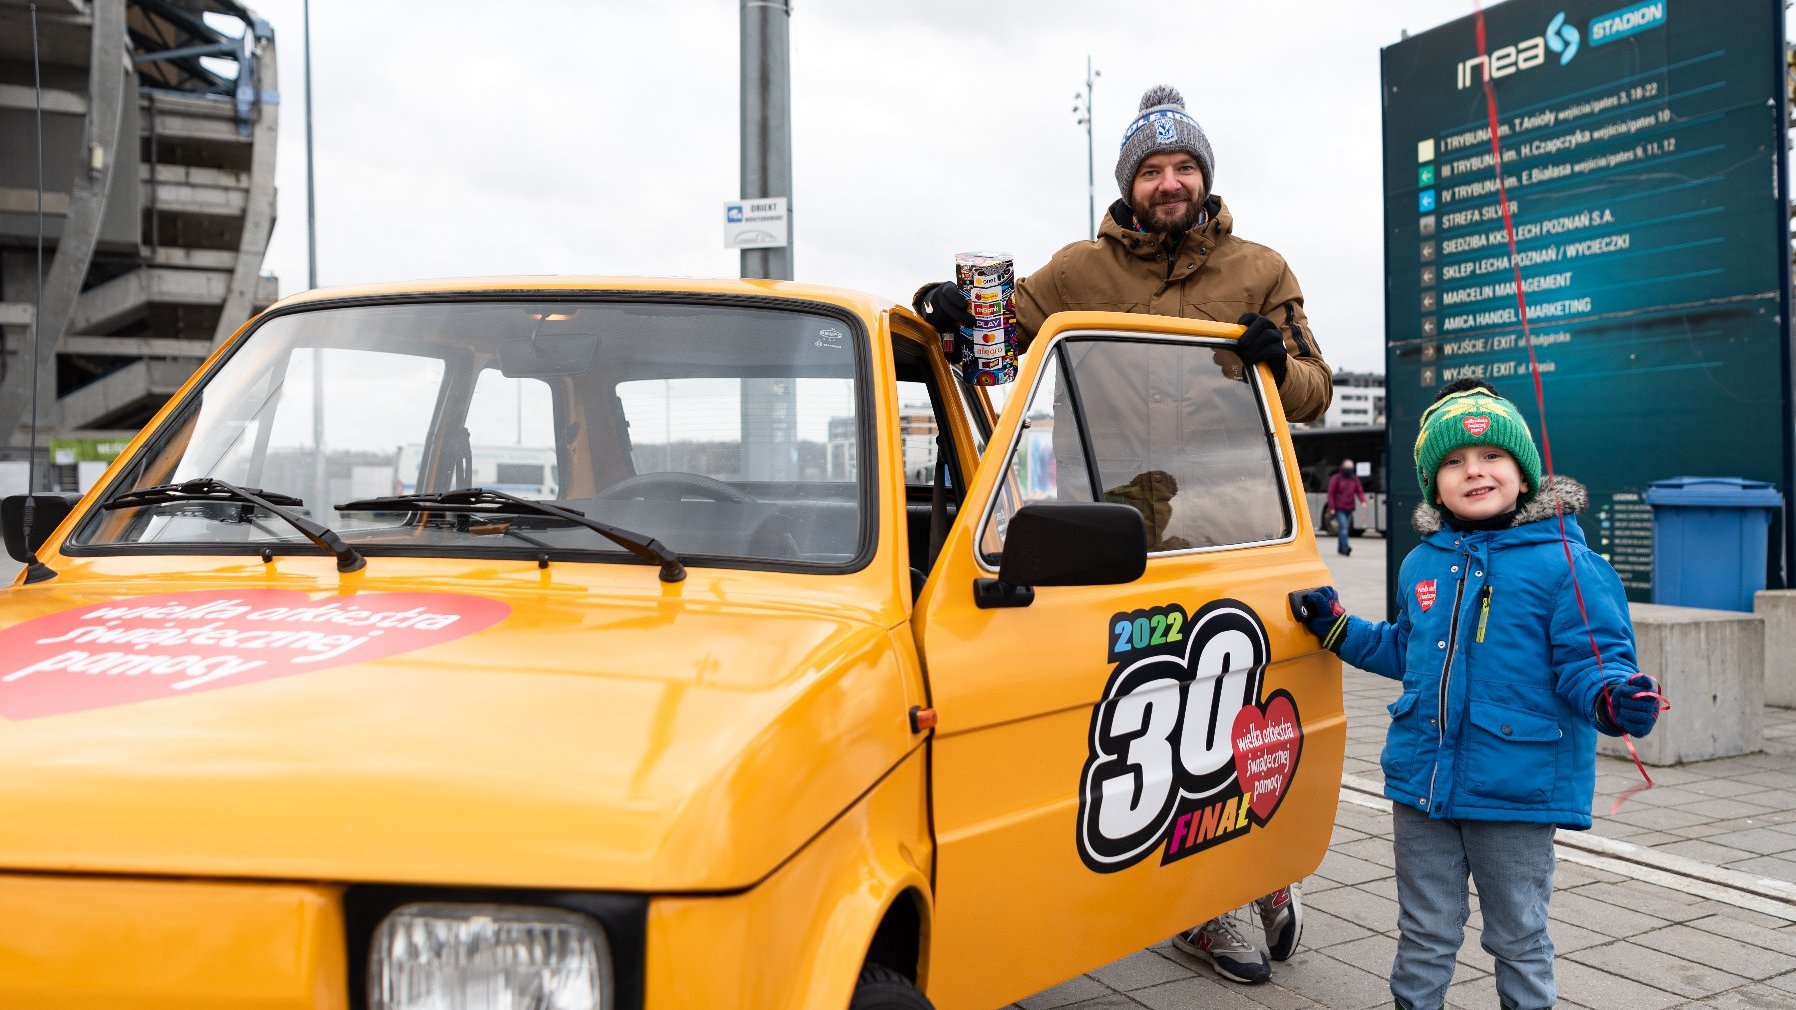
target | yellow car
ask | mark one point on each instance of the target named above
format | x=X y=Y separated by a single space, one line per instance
x=593 y=643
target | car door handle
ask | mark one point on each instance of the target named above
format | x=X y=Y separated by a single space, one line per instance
x=1299 y=609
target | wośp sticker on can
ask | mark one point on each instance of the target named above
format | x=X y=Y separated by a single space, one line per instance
x=986 y=351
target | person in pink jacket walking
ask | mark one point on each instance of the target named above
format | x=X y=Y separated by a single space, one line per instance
x=1345 y=493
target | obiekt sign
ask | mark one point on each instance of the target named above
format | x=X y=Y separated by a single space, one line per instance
x=756 y=224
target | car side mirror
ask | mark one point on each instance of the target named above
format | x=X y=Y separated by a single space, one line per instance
x=48 y=512
x=1065 y=544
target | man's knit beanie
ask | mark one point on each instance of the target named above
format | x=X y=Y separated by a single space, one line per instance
x=1163 y=125
x=1474 y=415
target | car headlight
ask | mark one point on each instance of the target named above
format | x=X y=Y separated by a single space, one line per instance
x=441 y=956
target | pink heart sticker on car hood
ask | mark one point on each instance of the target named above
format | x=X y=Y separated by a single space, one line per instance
x=168 y=646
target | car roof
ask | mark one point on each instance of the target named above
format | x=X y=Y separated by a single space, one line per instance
x=556 y=285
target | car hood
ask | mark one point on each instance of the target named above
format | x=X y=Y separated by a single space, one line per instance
x=450 y=732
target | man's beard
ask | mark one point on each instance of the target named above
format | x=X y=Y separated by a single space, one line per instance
x=1183 y=223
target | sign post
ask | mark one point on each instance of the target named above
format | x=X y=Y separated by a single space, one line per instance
x=1643 y=161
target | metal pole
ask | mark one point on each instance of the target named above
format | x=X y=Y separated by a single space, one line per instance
x=311 y=200
x=769 y=406
x=320 y=467
x=767 y=123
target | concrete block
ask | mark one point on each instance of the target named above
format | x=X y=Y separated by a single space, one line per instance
x=1778 y=608
x=1711 y=666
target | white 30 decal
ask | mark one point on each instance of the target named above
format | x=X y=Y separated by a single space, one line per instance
x=1162 y=732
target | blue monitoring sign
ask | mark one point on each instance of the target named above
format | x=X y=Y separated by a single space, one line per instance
x=1642 y=155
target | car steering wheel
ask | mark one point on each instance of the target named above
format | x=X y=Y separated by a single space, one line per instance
x=673 y=485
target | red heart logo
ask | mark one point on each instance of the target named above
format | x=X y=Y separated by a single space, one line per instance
x=1477 y=425
x=1425 y=593
x=1267 y=742
x=142 y=648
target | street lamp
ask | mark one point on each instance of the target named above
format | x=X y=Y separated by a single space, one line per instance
x=1082 y=109
x=311 y=198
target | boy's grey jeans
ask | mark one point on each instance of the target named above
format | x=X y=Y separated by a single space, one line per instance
x=1512 y=864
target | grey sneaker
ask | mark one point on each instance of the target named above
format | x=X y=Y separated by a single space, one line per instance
x=1281 y=912
x=1219 y=942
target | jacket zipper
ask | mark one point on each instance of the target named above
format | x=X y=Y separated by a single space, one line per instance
x=1304 y=350
x=1483 y=610
x=1465 y=561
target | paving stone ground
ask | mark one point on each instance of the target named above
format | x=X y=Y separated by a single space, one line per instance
x=1622 y=944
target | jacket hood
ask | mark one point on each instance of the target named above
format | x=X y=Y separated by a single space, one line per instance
x=1558 y=494
x=1148 y=244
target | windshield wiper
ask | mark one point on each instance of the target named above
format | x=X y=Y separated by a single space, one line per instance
x=211 y=489
x=483 y=501
x=198 y=489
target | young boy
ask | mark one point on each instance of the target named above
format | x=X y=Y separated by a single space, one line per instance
x=1492 y=742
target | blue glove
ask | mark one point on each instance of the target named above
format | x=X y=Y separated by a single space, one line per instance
x=1325 y=617
x=1631 y=708
x=1262 y=342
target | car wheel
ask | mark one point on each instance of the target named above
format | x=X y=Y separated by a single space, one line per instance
x=881 y=988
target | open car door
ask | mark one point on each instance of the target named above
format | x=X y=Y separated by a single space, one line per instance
x=1116 y=762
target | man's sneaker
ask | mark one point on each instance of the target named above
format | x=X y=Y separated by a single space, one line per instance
x=1226 y=949
x=1281 y=912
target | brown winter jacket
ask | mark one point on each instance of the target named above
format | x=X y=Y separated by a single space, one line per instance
x=1211 y=274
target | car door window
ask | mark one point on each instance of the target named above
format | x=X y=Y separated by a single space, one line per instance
x=1173 y=428
x=511 y=435
x=1034 y=471
x=333 y=430
x=917 y=431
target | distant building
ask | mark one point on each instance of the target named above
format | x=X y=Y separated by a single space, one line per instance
x=1358 y=401
x=157 y=202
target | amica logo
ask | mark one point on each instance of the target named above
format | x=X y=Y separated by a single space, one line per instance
x=1559 y=37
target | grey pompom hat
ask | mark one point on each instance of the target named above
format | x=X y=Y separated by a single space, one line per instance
x=1163 y=125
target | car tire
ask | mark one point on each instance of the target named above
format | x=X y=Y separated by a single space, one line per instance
x=881 y=988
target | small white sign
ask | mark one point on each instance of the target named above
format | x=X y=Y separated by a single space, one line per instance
x=756 y=224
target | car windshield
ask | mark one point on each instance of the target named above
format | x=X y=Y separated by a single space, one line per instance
x=731 y=433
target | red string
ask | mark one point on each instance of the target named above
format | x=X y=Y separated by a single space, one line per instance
x=1540 y=399
x=1609 y=700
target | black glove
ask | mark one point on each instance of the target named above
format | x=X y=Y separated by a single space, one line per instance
x=1631 y=708
x=1325 y=617
x=1262 y=342
x=944 y=306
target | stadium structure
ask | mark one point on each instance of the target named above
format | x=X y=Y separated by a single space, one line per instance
x=157 y=161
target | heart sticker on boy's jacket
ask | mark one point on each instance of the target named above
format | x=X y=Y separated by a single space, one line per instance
x=1267 y=741
x=1477 y=425
x=1425 y=593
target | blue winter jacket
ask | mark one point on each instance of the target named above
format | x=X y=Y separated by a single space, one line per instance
x=1497 y=719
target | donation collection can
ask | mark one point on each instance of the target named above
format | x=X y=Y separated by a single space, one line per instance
x=987 y=349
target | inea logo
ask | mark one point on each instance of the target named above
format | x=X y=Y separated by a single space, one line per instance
x=1562 y=38
x=1559 y=37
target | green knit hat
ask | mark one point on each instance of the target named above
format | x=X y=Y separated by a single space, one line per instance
x=1476 y=416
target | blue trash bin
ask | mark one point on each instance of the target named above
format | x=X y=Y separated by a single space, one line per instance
x=1709 y=540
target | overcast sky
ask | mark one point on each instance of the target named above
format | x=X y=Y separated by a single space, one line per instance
x=466 y=137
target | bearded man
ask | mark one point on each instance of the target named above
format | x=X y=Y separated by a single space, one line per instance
x=1169 y=247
